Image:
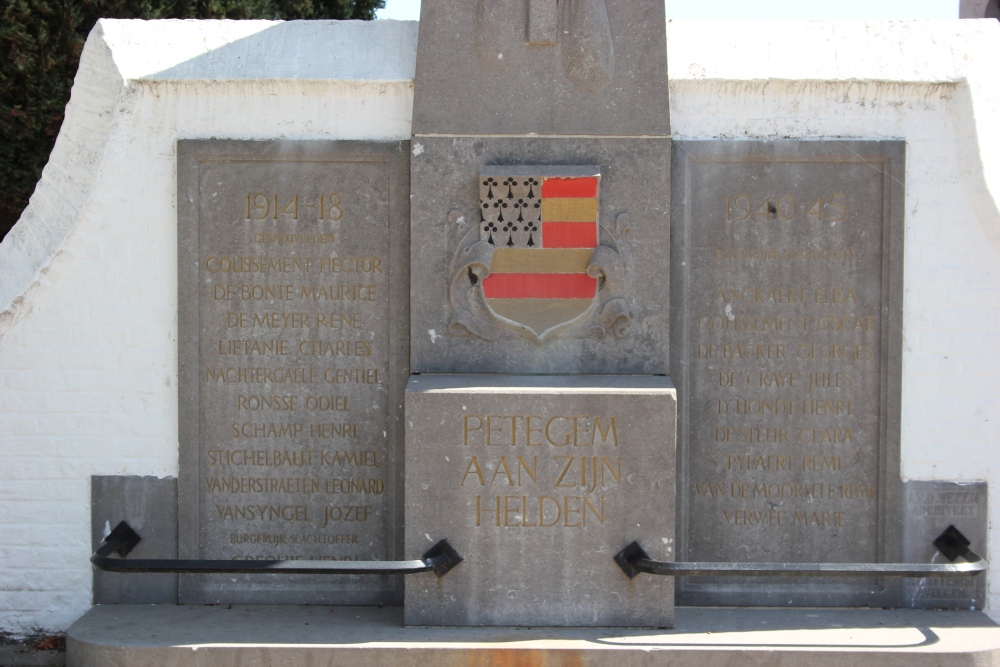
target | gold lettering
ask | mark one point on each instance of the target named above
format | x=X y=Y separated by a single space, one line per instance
x=479 y=425
x=490 y=429
x=479 y=511
x=474 y=467
x=529 y=442
x=567 y=510
x=548 y=432
x=532 y=470
x=588 y=504
x=577 y=428
x=612 y=429
x=541 y=511
x=569 y=462
x=502 y=466
x=507 y=510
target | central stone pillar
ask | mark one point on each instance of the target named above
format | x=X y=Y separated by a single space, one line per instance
x=540 y=418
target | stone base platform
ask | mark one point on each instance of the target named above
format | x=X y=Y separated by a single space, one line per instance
x=264 y=636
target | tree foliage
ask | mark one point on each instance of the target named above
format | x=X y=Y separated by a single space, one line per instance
x=40 y=46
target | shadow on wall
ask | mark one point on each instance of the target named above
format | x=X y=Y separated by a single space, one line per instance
x=306 y=50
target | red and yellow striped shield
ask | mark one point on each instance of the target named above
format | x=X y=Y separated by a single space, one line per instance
x=543 y=223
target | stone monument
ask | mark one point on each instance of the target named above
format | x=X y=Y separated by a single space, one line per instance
x=474 y=335
x=540 y=421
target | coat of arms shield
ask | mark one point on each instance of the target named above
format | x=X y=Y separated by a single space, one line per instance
x=543 y=224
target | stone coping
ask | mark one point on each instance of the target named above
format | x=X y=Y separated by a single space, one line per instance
x=113 y=635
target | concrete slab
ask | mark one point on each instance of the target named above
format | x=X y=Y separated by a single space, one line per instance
x=168 y=635
x=480 y=70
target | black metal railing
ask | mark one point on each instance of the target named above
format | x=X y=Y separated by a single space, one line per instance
x=633 y=560
x=951 y=543
x=440 y=559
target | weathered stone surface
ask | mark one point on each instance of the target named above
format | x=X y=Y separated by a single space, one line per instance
x=543 y=19
x=605 y=72
x=538 y=481
x=625 y=331
x=786 y=344
x=929 y=507
x=303 y=636
x=293 y=336
x=149 y=505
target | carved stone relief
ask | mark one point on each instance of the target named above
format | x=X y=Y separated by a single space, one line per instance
x=507 y=29
x=540 y=263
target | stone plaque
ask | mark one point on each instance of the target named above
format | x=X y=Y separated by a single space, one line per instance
x=786 y=341
x=482 y=307
x=538 y=481
x=929 y=507
x=293 y=349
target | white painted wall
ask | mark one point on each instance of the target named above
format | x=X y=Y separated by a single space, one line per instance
x=931 y=83
x=88 y=278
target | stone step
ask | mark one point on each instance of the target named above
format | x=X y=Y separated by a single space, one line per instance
x=293 y=636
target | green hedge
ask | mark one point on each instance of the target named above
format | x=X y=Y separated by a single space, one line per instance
x=40 y=45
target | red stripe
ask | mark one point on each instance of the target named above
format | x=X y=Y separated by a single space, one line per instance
x=569 y=188
x=569 y=234
x=539 y=286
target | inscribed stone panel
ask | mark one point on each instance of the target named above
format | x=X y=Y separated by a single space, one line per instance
x=786 y=340
x=293 y=303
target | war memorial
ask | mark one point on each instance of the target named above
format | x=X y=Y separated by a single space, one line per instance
x=539 y=332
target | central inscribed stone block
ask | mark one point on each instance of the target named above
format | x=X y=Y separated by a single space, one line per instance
x=538 y=482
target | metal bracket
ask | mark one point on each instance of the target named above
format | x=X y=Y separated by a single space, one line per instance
x=122 y=539
x=443 y=548
x=627 y=556
x=951 y=543
x=440 y=559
